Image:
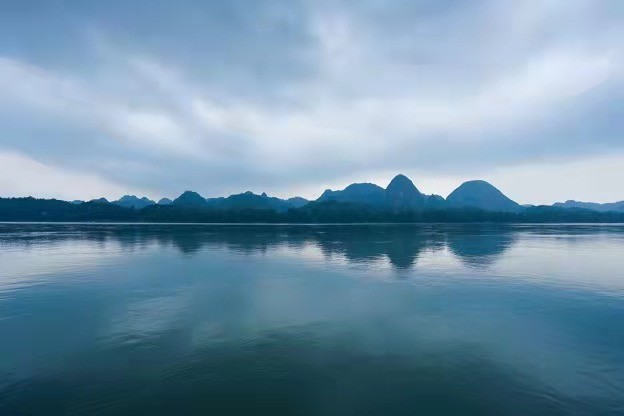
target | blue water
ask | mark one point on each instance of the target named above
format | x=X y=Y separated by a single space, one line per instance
x=311 y=320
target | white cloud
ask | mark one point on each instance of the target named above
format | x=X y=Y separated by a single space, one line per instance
x=367 y=105
x=23 y=176
x=82 y=104
x=153 y=131
x=334 y=124
x=592 y=178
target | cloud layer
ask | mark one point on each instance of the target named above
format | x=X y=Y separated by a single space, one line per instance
x=223 y=97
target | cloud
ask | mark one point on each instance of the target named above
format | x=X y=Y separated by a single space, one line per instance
x=319 y=92
x=78 y=103
x=23 y=176
x=593 y=178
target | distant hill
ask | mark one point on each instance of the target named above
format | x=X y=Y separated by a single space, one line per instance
x=400 y=201
x=611 y=206
x=249 y=200
x=435 y=201
x=357 y=193
x=165 y=201
x=402 y=194
x=100 y=201
x=134 y=202
x=246 y=200
x=297 y=202
x=482 y=195
x=31 y=209
x=190 y=199
x=190 y=209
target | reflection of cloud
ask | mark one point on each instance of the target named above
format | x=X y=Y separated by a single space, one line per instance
x=148 y=316
x=500 y=249
x=283 y=366
x=38 y=262
x=400 y=245
x=233 y=316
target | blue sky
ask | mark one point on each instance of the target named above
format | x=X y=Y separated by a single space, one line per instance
x=154 y=97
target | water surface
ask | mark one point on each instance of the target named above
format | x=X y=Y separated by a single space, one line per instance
x=311 y=320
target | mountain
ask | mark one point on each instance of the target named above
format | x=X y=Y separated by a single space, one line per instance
x=132 y=201
x=100 y=201
x=297 y=202
x=611 y=206
x=435 y=202
x=77 y=202
x=31 y=209
x=190 y=199
x=401 y=198
x=249 y=200
x=481 y=195
x=165 y=201
x=357 y=193
x=402 y=194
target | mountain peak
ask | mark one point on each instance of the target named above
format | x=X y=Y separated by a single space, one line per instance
x=401 y=178
x=594 y=206
x=401 y=193
x=360 y=193
x=297 y=201
x=127 y=198
x=165 y=201
x=190 y=199
x=478 y=182
x=100 y=201
x=327 y=193
x=132 y=201
x=482 y=195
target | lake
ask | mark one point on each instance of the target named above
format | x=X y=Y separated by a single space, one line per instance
x=104 y=319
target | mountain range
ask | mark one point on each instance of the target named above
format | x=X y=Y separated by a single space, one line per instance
x=400 y=195
x=611 y=206
x=482 y=195
x=131 y=201
x=246 y=200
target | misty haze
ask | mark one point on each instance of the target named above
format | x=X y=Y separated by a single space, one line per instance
x=311 y=207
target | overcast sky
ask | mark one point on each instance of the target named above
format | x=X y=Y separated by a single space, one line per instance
x=153 y=97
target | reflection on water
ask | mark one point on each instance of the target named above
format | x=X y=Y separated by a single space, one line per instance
x=401 y=245
x=344 y=320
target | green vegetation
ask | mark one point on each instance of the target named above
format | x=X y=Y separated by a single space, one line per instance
x=31 y=209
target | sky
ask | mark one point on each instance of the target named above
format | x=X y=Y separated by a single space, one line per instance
x=154 y=97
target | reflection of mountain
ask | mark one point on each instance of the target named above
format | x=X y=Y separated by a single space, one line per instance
x=400 y=244
x=480 y=245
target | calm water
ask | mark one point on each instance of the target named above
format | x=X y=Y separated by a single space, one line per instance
x=334 y=320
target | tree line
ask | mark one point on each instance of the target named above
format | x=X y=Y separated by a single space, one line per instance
x=44 y=210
